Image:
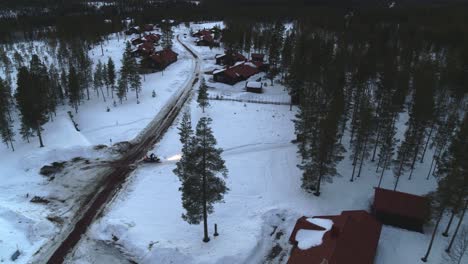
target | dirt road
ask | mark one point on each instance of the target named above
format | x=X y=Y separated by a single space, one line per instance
x=57 y=250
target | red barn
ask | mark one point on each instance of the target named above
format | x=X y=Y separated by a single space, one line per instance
x=352 y=239
x=400 y=209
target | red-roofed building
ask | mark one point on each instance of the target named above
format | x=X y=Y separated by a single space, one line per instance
x=154 y=38
x=205 y=40
x=161 y=59
x=257 y=57
x=137 y=41
x=200 y=33
x=239 y=72
x=145 y=49
x=352 y=239
x=400 y=209
x=229 y=58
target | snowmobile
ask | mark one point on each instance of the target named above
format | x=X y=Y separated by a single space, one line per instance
x=152 y=159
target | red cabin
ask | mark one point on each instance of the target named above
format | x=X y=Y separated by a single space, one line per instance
x=352 y=239
x=400 y=209
x=161 y=59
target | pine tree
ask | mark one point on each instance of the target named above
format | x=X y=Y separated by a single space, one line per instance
x=201 y=187
x=167 y=35
x=99 y=79
x=360 y=145
x=111 y=76
x=32 y=96
x=6 y=123
x=129 y=75
x=185 y=165
x=122 y=86
x=276 y=43
x=202 y=98
x=135 y=79
x=74 y=95
x=453 y=172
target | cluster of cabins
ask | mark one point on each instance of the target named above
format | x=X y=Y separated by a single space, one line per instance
x=354 y=235
x=145 y=47
x=207 y=37
x=239 y=68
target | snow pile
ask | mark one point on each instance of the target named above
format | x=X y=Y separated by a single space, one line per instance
x=312 y=238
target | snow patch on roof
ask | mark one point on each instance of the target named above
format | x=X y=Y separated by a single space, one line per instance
x=218 y=71
x=311 y=238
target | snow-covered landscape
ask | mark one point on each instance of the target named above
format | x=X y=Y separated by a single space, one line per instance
x=142 y=223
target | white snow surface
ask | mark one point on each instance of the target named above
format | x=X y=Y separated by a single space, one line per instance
x=311 y=238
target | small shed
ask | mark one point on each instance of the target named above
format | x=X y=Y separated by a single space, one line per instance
x=400 y=209
x=352 y=239
x=254 y=87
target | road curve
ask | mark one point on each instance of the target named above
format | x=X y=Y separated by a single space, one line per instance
x=115 y=177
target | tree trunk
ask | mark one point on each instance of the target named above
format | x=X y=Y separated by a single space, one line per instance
x=456 y=229
x=317 y=188
x=206 y=238
x=87 y=93
x=383 y=171
x=399 y=173
x=38 y=129
x=424 y=259
x=375 y=146
x=11 y=143
x=354 y=169
x=415 y=157
x=445 y=233
x=362 y=157
x=427 y=142
x=430 y=168
x=102 y=92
